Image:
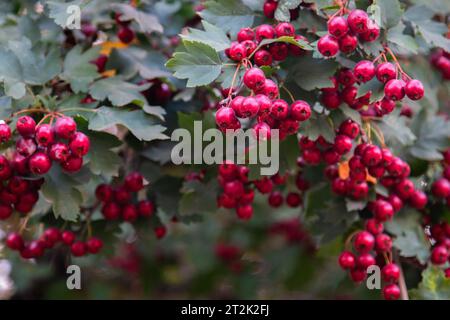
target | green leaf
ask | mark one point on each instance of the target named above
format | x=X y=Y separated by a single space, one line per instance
x=374 y=12
x=374 y=86
x=213 y=36
x=282 y=13
x=391 y=12
x=142 y=126
x=288 y=154
x=199 y=64
x=103 y=161
x=286 y=39
x=61 y=12
x=432 y=32
x=160 y=151
x=62 y=191
x=318 y=125
x=227 y=75
x=433 y=138
x=405 y=43
x=147 y=22
x=5 y=107
x=326 y=215
x=395 y=129
x=434 y=285
x=310 y=73
x=118 y=91
x=198 y=197
x=230 y=15
x=409 y=235
x=353 y=205
x=155 y=111
x=78 y=70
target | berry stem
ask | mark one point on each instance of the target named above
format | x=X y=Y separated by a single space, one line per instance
x=401 y=280
x=348 y=240
x=379 y=134
x=233 y=81
x=288 y=92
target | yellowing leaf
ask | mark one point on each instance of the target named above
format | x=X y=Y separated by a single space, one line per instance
x=107 y=46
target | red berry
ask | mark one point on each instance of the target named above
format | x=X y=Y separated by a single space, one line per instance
x=145 y=208
x=312 y=156
x=418 y=199
x=129 y=213
x=94 y=245
x=391 y=272
x=328 y=46
x=342 y=144
x=372 y=33
x=382 y=210
x=261 y=131
x=439 y=255
x=249 y=107
x=414 y=90
x=269 y=8
x=364 y=71
x=59 y=152
x=331 y=100
x=372 y=156
x=293 y=199
x=245 y=34
x=100 y=62
x=44 y=135
x=383 y=243
x=265 y=31
x=73 y=164
x=254 y=78
x=25 y=146
x=125 y=35
x=300 y=110
x=68 y=237
x=357 y=274
x=14 y=241
x=365 y=260
x=79 y=144
x=338 y=26
x=270 y=89
x=51 y=236
x=391 y=292
x=441 y=188
x=279 y=51
x=134 y=182
x=234 y=189
x=275 y=199
x=5 y=211
x=394 y=89
x=5 y=133
x=35 y=248
x=225 y=117
x=65 y=127
x=111 y=211
x=386 y=71
x=349 y=128
x=78 y=248
x=26 y=126
x=244 y=212
x=364 y=242
x=374 y=226
x=264 y=185
x=358 y=21
x=237 y=51
x=104 y=192
x=279 y=109
x=160 y=232
x=404 y=189
x=39 y=163
x=348 y=43
x=262 y=58
x=285 y=29
x=347 y=260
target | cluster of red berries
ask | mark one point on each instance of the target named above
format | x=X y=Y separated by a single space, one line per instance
x=364 y=243
x=41 y=144
x=343 y=33
x=439 y=234
x=117 y=202
x=248 y=41
x=276 y=198
x=49 y=238
x=270 y=112
x=229 y=254
x=441 y=61
x=237 y=193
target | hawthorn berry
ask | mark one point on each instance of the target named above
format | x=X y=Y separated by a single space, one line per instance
x=65 y=127
x=391 y=292
x=364 y=242
x=78 y=248
x=5 y=133
x=26 y=126
x=358 y=21
x=328 y=45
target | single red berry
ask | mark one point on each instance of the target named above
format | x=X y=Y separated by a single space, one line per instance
x=386 y=71
x=330 y=156
x=394 y=89
x=348 y=43
x=262 y=131
x=349 y=95
x=26 y=126
x=365 y=260
x=337 y=26
x=405 y=189
x=65 y=127
x=312 y=156
x=364 y=71
x=237 y=51
x=51 y=236
x=372 y=33
x=391 y=292
x=94 y=245
x=104 y=192
x=111 y=211
x=100 y=62
x=79 y=144
x=5 y=133
x=382 y=210
x=59 y=152
x=418 y=199
x=414 y=90
x=18 y=185
x=245 y=34
x=358 y=21
x=134 y=182
x=270 y=89
x=14 y=241
x=262 y=58
x=347 y=260
x=249 y=46
x=374 y=226
x=225 y=117
x=293 y=199
x=125 y=35
x=331 y=100
x=25 y=146
x=358 y=275
x=279 y=51
x=249 y=107
x=145 y=208
x=244 y=212
x=372 y=156
x=129 y=213
x=395 y=202
x=349 y=128
x=383 y=243
x=68 y=237
x=269 y=8
x=73 y=164
x=300 y=110
x=328 y=46
x=78 y=248
x=160 y=232
x=254 y=78
x=279 y=109
x=390 y=272
x=285 y=29
x=234 y=189
x=275 y=199
x=265 y=31
x=342 y=144
x=264 y=185
x=441 y=188
x=439 y=255
x=36 y=248
x=364 y=242
x=39 y=163
x=44 y=135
